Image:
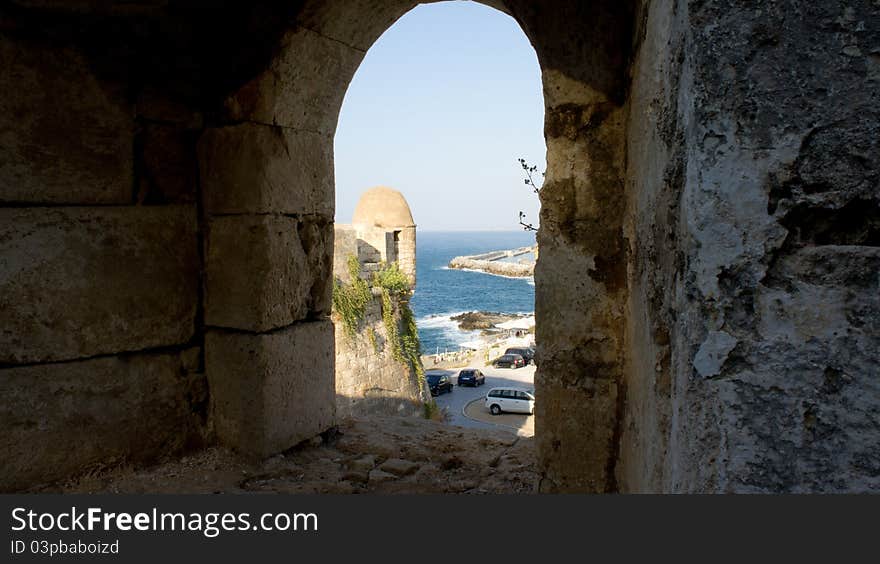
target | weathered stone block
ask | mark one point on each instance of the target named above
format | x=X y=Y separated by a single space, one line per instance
x=77 y=282
x=157 y=106
x=255 y=168
x=265 y=272
x=345 y=245
x=168 y=171
x=343 y=20
x=272 y=391
x=576 y=461
x=65 y=135
x=304 y=86
x=62 y=419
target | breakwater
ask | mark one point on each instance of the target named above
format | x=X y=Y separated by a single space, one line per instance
x=499 y=262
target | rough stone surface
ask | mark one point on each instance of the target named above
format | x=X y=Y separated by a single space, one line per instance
x=254 y=168
x=377 y=476
x=267 y=271
x=369 y=380
x=304 y=86
x=753 y=226
x=579 y=288
x=345 y=245
x=78 y=282
x=65 y=134
x=67 y=418
x=712 y=171
x=363 y=464
x=168 y=169
x=713 y=353
x=343 y=21
x=271 y=391
x=450 y=459
x=399 y=466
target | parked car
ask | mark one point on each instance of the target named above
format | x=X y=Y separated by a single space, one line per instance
x=438 y=383
x=514 y=400
x=527 y=353
x=509 y=361
x=471 y=377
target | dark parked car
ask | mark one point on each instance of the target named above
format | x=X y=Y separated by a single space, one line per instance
x=471 y=377
x=527 y=353
x=509 y=361
x=438 y=383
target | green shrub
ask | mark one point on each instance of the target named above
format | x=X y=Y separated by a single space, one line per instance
x=392 y=279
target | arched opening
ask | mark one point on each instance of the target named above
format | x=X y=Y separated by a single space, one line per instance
x=441 y=107
x=705 y=290
x=229 y=154
x=580 y=278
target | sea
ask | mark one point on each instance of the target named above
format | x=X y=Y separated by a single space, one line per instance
x=442 y=292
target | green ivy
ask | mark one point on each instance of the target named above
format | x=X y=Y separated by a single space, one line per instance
x=350 y=300
x=392 y=279
x=409 y=339
x=371 y=335
x=400 y=323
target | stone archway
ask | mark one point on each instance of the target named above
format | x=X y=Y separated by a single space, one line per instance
x=189 y=173
x=708 y=244
x=279 y=133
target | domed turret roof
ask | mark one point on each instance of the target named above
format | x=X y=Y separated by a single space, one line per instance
x=383 y=207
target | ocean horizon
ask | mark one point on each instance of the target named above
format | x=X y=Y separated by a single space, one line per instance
x=442 y=293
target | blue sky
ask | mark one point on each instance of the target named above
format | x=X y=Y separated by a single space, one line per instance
x=441 y=108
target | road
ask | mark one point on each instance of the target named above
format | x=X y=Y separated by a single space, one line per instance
x=455 y=402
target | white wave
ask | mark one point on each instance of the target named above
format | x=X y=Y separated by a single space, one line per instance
x=447 y=327
x=438 y=319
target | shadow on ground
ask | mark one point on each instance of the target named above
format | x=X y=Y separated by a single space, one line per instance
x=375 y=454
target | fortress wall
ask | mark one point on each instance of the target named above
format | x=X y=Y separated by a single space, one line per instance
x=707 y=283
x=100 y=346
x=368 y=378
x=752 y=231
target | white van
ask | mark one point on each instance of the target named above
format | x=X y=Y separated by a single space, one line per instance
x=514 y=400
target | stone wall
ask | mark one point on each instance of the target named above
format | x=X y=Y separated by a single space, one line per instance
x=136 y=233
x=369 y=380
x=753 y=227
x=100 y=348
x=707 y=288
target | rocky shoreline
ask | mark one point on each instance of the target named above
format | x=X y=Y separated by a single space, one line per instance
x=483 y=320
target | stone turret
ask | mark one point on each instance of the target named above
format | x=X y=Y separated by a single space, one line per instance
x=385 y=229
x=370 y=377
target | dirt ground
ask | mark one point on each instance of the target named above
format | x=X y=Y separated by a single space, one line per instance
x=374 y=455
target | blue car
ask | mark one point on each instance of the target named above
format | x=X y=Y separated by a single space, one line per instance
x=471 y=377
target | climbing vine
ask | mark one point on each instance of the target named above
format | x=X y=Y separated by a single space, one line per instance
x=400 y=324
x=350 y=300
x=392 y=279
x=374 y=342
